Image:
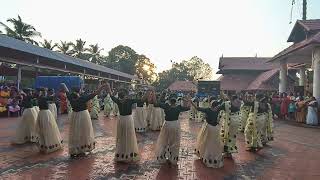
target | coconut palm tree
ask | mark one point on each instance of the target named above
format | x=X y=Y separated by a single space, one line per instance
x=79 y=49
x=95 y=54
x=21 y=30
x=48 y=44
x=65 y=47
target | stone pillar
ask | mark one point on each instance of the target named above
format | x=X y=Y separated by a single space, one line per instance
x=316 y=72
x=19 y=77
x=302 y=80
x=111 y=84
x=84 y=80
x=37 y=70
x=283 y=77
x=84 y=74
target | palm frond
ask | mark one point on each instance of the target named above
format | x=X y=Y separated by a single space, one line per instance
x=9 y=31
x=29 y=40
x=21 y=30
x=48 y=44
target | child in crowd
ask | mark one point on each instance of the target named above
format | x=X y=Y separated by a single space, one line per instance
x=292 y=109
x=13 y=104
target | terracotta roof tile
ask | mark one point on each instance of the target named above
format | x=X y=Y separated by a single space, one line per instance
x=294 y=47
x=183 y=86
x=236 y=82
x=258 y=83
x=311 y=24
x=307 y=27
x=245 y=63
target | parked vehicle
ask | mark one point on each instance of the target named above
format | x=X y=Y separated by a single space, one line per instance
x=208 y=88
x=55 y=81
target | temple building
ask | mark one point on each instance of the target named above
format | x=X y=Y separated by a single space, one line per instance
x=183 y=86
x=305 y=53
x=250 y=74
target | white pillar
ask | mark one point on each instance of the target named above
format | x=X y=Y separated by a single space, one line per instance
x=19 y=77
x=283 y=77
x=302 y=80
x=316 y=72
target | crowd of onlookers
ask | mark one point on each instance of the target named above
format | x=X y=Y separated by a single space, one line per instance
x=293 y=106
x=296 y=107
x=10 y=99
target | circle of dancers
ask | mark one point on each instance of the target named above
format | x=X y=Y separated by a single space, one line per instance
x=222 y=118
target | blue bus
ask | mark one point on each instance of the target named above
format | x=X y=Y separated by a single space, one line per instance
x=55 y=81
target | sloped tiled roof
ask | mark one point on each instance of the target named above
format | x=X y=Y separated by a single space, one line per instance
x=236 y=82
x=258 y=83
x=307 y=27
x=183 y=86
x=294 y=47
x=245 y=63
x=311 y=24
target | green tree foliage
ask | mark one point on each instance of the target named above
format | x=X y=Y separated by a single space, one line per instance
x=95 y=54
x=21 y=30
x=165 y=78
x=122 y=58
x=193 y=69
x=198 y=69
x=146 y=69
x=79 y=50
x=64 y=47
x=48 y=44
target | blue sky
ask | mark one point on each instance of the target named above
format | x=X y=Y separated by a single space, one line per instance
x=167 y=30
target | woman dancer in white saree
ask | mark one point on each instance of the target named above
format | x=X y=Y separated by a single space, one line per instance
x=258 y=129
x=81 y=135
x=151 y=100
x=52 y=104
x=140 y=123
x=126 y=140
x=47 y=128
x=230 y=122
x=168 y=143
x=209 y=146
x=26 y=131
x=108 y=105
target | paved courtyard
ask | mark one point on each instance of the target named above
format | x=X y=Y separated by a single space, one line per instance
x=295 y=154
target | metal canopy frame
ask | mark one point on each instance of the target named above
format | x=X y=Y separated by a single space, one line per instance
x=14 y=61
x=25 y=54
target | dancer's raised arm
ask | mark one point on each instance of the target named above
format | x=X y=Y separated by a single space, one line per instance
x=64 y=87
x=108 y=88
